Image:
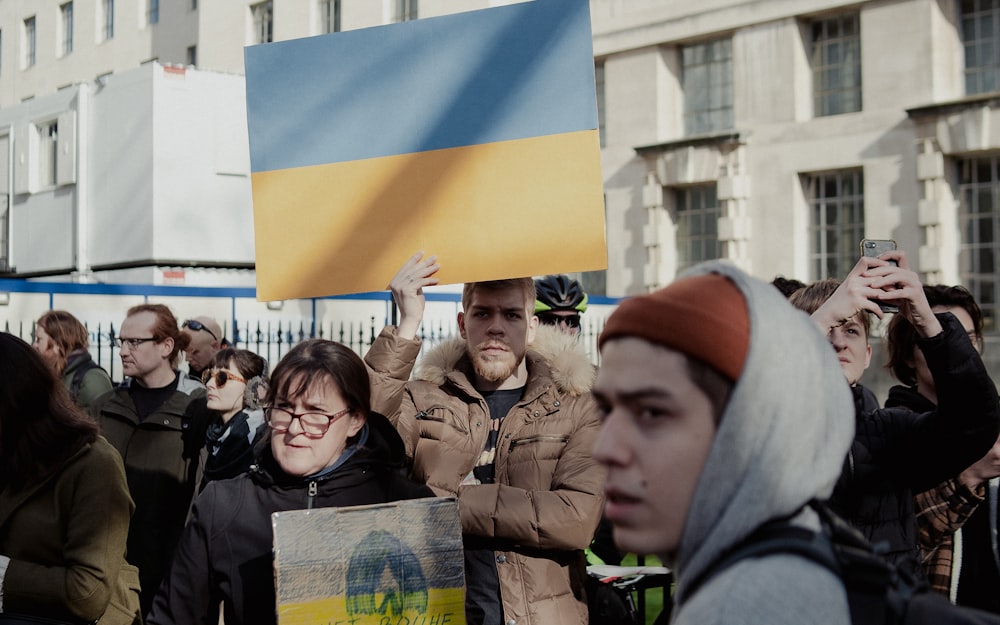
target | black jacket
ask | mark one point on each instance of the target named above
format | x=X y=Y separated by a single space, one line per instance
x=225 y=554
x=898 y=452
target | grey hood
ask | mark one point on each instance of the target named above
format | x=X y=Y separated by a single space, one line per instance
x=783 y=436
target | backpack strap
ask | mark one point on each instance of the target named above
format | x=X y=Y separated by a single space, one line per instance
x=78 y=374
x=772 y=538
x=839 y=548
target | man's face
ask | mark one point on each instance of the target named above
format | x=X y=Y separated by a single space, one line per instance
x=657 y=429
x=925 y=381
x=566 y=321
x=853 y=351
x=497 y=329
x=201 y=350
x=148 y=357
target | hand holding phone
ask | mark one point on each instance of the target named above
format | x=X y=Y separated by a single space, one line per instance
x=874 y=248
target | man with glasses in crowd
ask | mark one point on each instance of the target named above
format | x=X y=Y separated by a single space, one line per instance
x=205 y=341
x=156 y=419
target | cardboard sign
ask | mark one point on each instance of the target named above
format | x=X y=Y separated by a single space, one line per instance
x=398 y=563
x=470 y=136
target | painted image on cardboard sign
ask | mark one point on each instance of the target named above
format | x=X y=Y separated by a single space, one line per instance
x=392 y=564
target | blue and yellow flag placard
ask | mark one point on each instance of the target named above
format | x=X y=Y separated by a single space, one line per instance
x=398 y=563
x=470 y=136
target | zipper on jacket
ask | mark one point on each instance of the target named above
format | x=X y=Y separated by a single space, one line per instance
x=424 y=415
x=313 y=488
x=540 y=438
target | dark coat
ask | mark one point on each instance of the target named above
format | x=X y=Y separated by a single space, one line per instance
x=897 y=452
x=161 y=456
x=225 y=554
x=65 y=536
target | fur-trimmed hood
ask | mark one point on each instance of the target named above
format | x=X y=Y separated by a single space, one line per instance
x=570 y=366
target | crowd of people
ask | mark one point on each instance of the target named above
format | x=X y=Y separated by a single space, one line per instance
x=719 y=409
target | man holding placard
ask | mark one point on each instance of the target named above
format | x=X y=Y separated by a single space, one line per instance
x=502 y=419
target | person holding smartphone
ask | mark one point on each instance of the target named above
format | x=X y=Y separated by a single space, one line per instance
x=897 y=452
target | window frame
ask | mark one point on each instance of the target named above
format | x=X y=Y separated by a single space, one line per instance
x=846 y=234
x=66 y=24
x=708 y=103
x=30 y=27
x=696 y=218
x=843 y=97
x=262 y=18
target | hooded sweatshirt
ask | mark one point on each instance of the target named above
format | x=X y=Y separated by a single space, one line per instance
x=781 y=441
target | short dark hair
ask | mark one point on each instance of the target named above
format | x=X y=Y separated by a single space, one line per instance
x=248 y=363
x=315 y=359
x=40 y=426
x=787 y=286
x=901 y=337
x=712 y=382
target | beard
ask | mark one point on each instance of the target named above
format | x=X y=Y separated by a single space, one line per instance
x=494 y=366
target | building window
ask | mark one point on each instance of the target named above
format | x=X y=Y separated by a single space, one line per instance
x=66 y=23
x=599 y=84
x=108 y=19
x=697 y=225
x=30 y=41
x=979 y=228
x=153 y=12
x=263 y=22
x=405 y=10
x=836 y=65
x=836 y=222
x=981 y=41
x=192 y=55
x=329 y=16
x=48 y=135
x=707 y=80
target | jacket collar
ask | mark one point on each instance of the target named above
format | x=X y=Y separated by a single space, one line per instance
x=553 y=358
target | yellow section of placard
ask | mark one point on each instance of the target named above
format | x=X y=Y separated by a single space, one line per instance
x=445 y=606
x=515 y=208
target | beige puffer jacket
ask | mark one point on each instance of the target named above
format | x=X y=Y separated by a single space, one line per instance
x=547 y=500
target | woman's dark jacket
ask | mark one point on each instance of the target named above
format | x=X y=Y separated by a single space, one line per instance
x=225 y=554
x=898 y=452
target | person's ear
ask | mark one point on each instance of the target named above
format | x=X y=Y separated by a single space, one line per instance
x=357 y=422
x=532 y=327
x=461 y=324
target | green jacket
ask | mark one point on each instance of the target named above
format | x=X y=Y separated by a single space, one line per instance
x=94 y=383
x=161 y=456
x=65 y=536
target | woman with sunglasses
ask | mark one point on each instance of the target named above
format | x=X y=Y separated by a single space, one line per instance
x=234 y=383
x=64 y=504
x=325 y=448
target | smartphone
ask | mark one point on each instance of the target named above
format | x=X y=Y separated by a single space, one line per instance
x=875 y=248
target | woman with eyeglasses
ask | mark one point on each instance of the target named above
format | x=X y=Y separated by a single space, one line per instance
x=64 y=504
x=325 y=448
x=235 y=382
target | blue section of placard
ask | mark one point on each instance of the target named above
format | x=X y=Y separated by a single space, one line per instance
x=511 y=72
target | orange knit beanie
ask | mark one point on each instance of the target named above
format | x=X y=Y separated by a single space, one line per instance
x=702 y=316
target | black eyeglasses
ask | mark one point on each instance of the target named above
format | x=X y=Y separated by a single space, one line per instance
x=221 y=377
x=552 y=319
x=196 y=325
x=313 y=424
x=132 y=343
